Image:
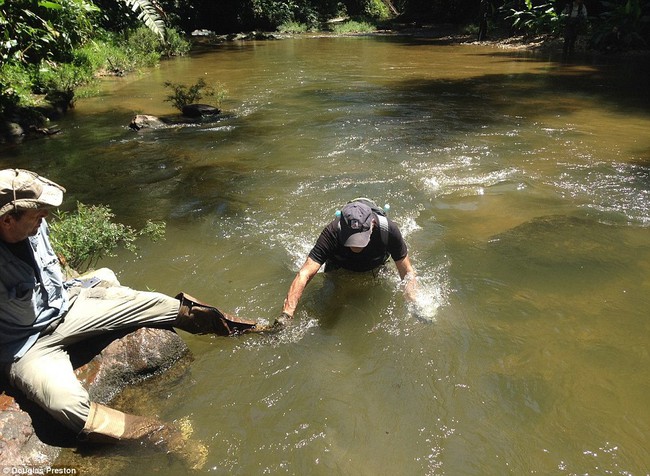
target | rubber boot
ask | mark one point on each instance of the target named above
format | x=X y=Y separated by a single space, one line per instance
x=197 y=317
x=107 y=425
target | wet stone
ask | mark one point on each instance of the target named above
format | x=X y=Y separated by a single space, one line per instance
x=105 y=365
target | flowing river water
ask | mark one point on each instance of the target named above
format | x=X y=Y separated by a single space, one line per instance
x=521 y=184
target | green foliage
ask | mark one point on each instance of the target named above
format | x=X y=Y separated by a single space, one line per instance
x=293 y=27
x=623 y=25
x=106 y=53
x=114 y=53
x=150 y=15
x=175 y=44
x=31 y=30
x=353 y=26
x=183 y=95
x=83 y=237
x=377 y=10
x=61 y=78
x=143 y=47
x=147 y=48
x=271 y=14
x=534 y=18
x=101 y=53
x=16 y=86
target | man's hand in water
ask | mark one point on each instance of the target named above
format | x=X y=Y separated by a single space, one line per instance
x=282 y=321
x=410 y=288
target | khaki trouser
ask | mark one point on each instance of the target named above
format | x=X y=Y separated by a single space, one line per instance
x=45 y=373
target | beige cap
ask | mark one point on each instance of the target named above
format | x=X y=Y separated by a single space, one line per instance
x=21 y=189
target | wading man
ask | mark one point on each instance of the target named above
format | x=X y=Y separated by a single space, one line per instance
x=361 y=239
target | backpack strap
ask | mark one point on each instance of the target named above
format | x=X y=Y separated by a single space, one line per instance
x=383 y=228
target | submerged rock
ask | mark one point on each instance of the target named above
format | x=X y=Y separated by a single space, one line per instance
x=146 y=121
x=200 y=110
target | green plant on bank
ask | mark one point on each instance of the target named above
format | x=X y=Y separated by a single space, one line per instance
x=28 y=86
x=271 y=14
x=130 y=51
x=182 y=95
x=377 y=9
x=16 y=83
x=25 y=84
x=175 y=44
x=61 y=80
x=293 y=27
x=353 y=26
x=85 y=236
x=470 y=29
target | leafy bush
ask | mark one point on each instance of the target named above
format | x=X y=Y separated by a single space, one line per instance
x=183 y=95
x=377 y=9
x=15 y=86
x=535 y=18
x=32 y=31
x=109 y=54
x=147 y=46
x=353 y=26
x=269 y=13
x=144 y=46
x=293 y=27
x=61 y=78
x=175 y=44
x=139 y=48
x=83 y=237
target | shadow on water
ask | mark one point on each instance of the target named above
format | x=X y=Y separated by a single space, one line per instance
x=489 y=97
x=613 y=80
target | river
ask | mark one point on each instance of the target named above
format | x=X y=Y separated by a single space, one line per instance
x=521 y=184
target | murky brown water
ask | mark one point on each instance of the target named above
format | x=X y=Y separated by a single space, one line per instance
x=522 y=187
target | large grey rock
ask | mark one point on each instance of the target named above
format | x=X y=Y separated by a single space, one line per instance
x=200 y=110
x=29 y=436
x=146 y=121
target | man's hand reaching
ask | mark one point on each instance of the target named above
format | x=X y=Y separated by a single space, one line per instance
x=282 y=321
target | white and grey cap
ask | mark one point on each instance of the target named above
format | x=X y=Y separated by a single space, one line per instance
x=22 y=190
x=356 y=225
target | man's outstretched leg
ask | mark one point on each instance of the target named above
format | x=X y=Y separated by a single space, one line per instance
x=198 y=317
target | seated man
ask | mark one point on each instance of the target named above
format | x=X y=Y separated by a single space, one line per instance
x=361 y=239
x=41 y=315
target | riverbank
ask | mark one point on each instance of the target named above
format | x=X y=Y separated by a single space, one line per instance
x=33 y=122
x=440 y=34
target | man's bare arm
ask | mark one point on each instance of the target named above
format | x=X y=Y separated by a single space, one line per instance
x=407 y=274
x=304 y=276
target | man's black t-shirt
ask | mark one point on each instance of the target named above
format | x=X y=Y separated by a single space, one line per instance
x=328 y=249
